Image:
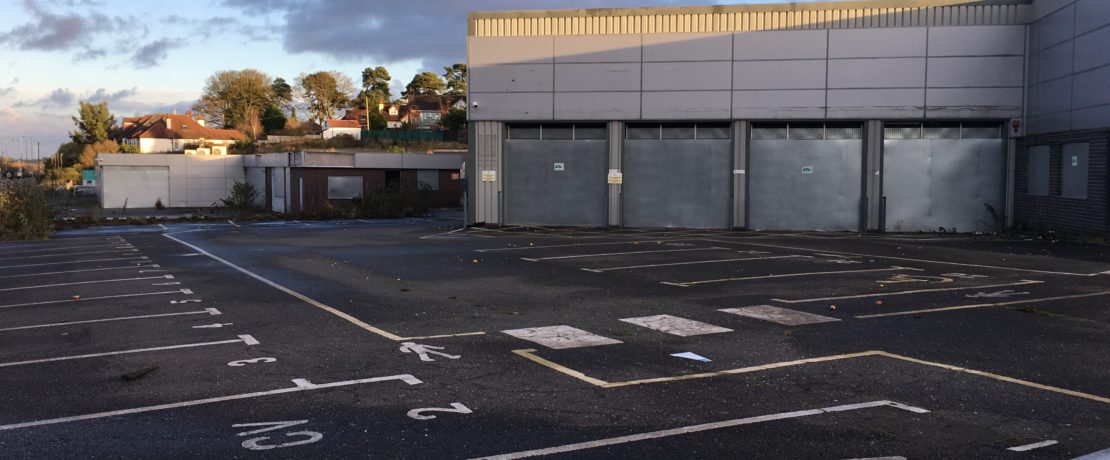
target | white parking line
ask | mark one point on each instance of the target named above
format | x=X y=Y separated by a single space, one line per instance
x=674 y=325
x=300 y=385
x=561 y=337
x=245 y=339
x=71 y=254
x=699 y=428
x=83 y=299
x=782 y=316
x=71 y=262
x=78 y=271
x=581 y=256
x=1100 y=455
x=959 y=264
x=556 y=246
x=1036 y=445
x=787 y=275
x=160 y=277
x=916 y=291
x=58 y=248
x=209 y=311
x=718 y=261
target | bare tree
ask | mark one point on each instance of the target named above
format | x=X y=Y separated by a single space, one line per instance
x=236 y=98
x=324 y=92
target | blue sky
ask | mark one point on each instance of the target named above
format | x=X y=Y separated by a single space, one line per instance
x=145 y=57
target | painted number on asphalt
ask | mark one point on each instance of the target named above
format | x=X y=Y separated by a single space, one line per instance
x=456 y=408
x=260 y=442
x=244 y=362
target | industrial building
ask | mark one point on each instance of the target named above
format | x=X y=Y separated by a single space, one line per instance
x=887 y=115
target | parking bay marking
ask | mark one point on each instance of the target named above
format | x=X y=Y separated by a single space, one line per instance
x=634 y=267
x=916 y=291
x=88 y=282
x=581 y=256
x=984 y=305
x=314 y=302
x=24 y=275
x=785 y=275
x=529 y=354
x=210 y=311
x=960 y=264
x=245 y=339
x=703 y=427
x=301 y=385
x=556 y=246
x=674 y=325
x=83 y=299
x=778 y=315
x=1036 y=445
x=73 y=262
x=71 y=254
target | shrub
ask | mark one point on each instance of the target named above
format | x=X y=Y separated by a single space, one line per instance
x=25 y=212
x=158 y=204
x=394 y=201
x=242 y=198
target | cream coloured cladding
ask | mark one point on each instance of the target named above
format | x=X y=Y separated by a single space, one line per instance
x=185 y=180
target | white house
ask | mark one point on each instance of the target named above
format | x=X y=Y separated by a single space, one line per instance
x=334 y=128
x=163 y=132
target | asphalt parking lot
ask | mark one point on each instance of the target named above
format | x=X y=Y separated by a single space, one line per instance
x=411 y=339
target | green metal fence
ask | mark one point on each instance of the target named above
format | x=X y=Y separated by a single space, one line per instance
x=400 y=135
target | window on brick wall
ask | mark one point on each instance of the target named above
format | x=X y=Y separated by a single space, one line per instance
x=1037 y=170
x=1073 y=170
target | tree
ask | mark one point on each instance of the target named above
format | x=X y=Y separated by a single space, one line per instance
x=273 y=119
x=425 y=83
x=281 y=93
x=375 y=85
x=324 y=93
x=454 y=119
x=456 y=79
x=236 y=98
x=377 y=120
x=94 y=123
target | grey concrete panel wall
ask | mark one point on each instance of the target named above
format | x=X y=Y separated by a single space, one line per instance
x=597 y=77
x=512 y=78
x=782 y=44
x=796 y=104
x=686 y=105
x=486 y=148
x=976 y=72
x=876 y=103
x=597 y=106
x=873 y=174
x=593 y=48
x=616 y=155
x=483 y=51
x=740 y=131
x=877 y=73
x=877 y=43
x=672 y=76
x=978 y=41
x=773 y=75
x=1090 y=49
x=511 y=106
x=1091 y=15
x=1067 y=67
x=687 y=47
x=988 y=102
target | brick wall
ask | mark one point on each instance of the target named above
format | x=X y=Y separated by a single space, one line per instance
x=315 y=182
x=1064 y=215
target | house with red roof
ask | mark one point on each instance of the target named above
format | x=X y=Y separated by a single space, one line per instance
x=166 y=133
x=334 y=128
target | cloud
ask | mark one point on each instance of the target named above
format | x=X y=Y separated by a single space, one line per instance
x=102 y=95
x=426 y=30
x=152 y=53
x=57 y=99
x=52 y=30
x=7 y=91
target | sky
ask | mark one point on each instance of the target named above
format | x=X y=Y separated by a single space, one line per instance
x=153 y=57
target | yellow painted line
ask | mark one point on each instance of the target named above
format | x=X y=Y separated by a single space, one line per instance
x=917 y=291
x=311 y=301
x=530 y=355
x=998 y=377
x=463 y=334
x=983 y=305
